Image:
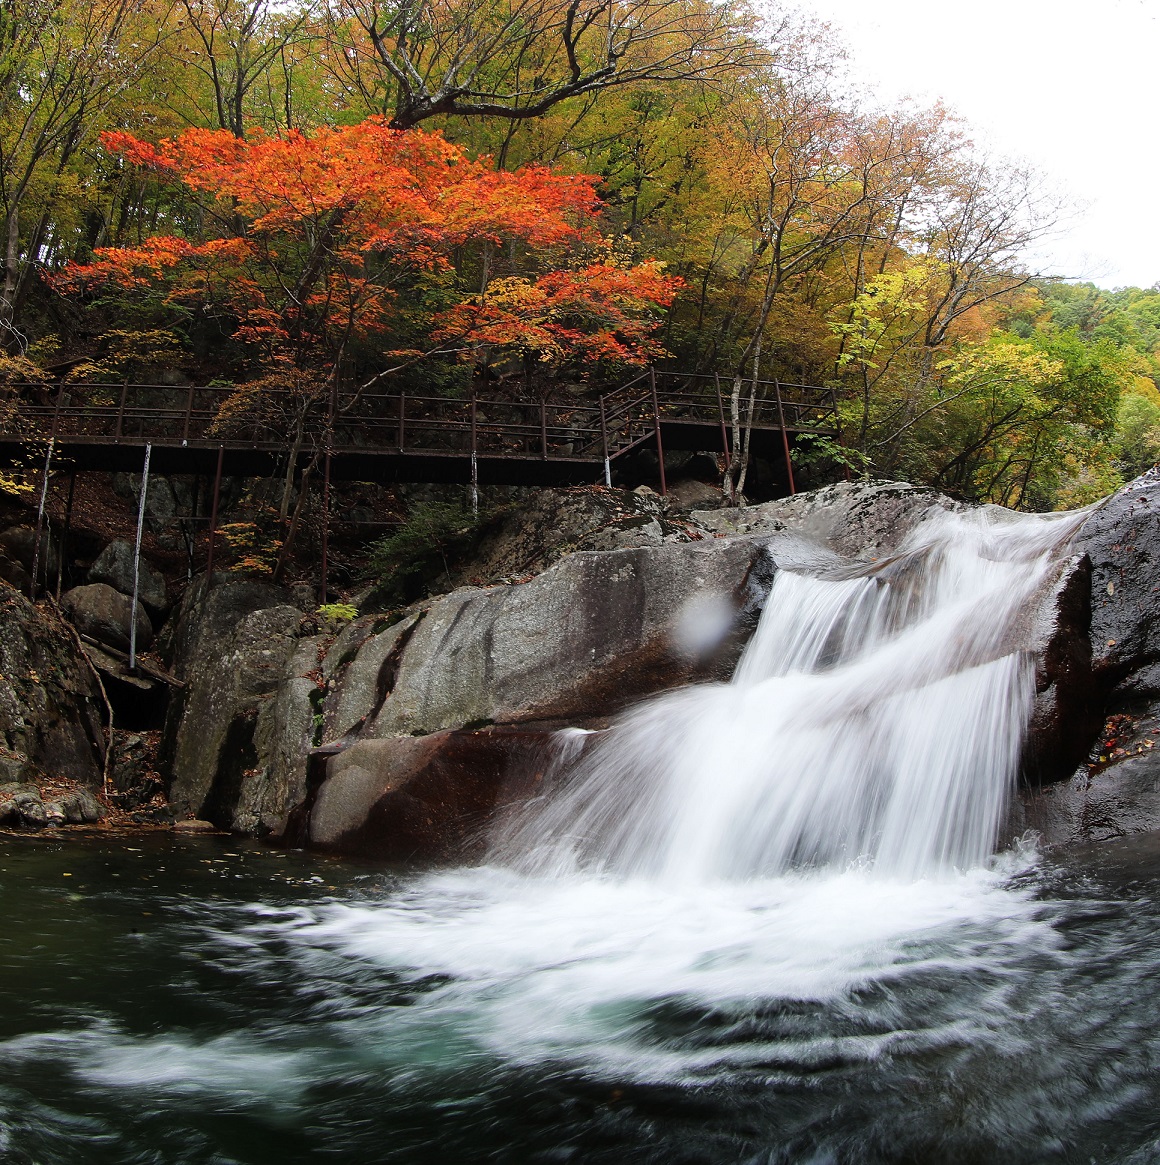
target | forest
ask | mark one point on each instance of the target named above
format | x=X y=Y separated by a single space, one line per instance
x=527 y=198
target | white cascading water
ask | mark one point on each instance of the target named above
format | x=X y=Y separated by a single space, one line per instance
x=873 y=720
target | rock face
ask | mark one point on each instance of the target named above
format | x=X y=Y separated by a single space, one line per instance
x=422 y=711
x=403 y=736
x=238 y=735
x=106 y=615
x=581 y=640
x=407 y=798
x=864 y=520
x=1117 y=791
x=50 y=707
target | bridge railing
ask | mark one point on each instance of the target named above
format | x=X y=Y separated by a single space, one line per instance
x=585 y=429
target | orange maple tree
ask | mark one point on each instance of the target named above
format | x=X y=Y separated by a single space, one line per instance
x=362 y=238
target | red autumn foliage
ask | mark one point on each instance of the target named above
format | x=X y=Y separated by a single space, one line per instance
x=338 y=236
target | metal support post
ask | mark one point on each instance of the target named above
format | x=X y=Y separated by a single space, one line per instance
x=40 y=519
x=784 y=437
x=325 y=524
x=121 y=410
x=68 y=508
x=213 y=517
x=604 y=445
x=652 y=377
x=188 y=417
x=137 y=560
x=721 y=412
x=544 y=430
x=474 y=460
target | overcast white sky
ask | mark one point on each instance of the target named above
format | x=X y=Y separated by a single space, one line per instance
x=1071 y=87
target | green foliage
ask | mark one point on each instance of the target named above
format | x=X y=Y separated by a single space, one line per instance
x=338 y=612
x=420 y=552
x=1136 y=442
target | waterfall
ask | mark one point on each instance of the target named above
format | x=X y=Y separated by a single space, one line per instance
x=875 y=719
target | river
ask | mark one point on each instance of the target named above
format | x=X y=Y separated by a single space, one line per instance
x=188 y=1000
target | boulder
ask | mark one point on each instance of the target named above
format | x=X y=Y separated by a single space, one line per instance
x=238 y=734
x=423 y=799
x=18 y=547
x=21 y=807
x=106 y=615
x=691 y=494
x=50 y=706
x=1115 y=790
x=589 y=636
x=863 y=520
x=114 y=565
x=76 y=807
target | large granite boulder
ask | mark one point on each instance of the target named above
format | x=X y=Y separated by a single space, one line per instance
x=50 y=706
x=584 y=639
x=1116 y=791
x=114 y=566
x=238 y=735
x=411 y=703
x=421 y=798
x=104 y=614
x=863 y=520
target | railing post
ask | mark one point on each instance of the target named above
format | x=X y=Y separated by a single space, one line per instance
x=325 y=523
x=137 y=561
x=56 y=409
x=402 y=419
x=544 y=430
x=604 y=444
x=213 y=516
x=474 y=461
x=188 y=416
x=121 y=410
x=40 y=520
x=652 y=378
x=721 y=412
x=784 y=436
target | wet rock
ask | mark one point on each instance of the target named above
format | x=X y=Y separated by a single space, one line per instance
x=1068 y=708
x=50 y=707
x=104 y=614
x=193 y=825
x=1115 y=791
x=77 y=807
x=1122 y=540
x=595 y=633
x=864 y=520
x=423 y=799
x=238 y=734
x=21 y=807
x=114 y=566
